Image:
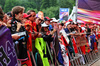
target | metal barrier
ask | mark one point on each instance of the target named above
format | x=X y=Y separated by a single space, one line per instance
x=81 y=59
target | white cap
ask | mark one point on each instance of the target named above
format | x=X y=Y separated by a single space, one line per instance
x=67 y=23
x=79 y=26
x=54 y=20
x=83 y=28
x=44 y=25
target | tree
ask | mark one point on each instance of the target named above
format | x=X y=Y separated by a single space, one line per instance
x=2 y=3
x=53 y=2
x=9 y=4
x=52 y=12
x=45 y=4
x=38 y=4
x=50 y=7
x=66 y=4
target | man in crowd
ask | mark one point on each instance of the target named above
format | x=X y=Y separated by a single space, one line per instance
x=16 y=27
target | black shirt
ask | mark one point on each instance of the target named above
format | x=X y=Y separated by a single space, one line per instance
x=22 y=42
x=88 y=31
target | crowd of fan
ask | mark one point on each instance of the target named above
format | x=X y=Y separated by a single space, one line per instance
x=32 y=33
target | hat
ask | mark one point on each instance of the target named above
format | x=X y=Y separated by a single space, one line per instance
x=9 y=14
x=47 y=19
x=41 y=15
x=67 y=23
x=28 y=23
x=44 y=25
x=70 y=20
x=38 y=17
x=25 y=15
x=54 y=20
x=83 y=28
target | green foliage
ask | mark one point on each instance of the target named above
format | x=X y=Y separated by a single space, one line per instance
x=49 y=7
x=45 y=4
x=9 y=4
x=52 y=12
x=29 y=9
x=2 y=3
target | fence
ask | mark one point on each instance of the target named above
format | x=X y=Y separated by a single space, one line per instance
x=80 y=58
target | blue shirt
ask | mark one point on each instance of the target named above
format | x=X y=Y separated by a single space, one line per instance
x=50 y=27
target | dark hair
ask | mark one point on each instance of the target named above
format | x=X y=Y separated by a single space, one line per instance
x=9 y=14
x=1 y=14
x=62 y=24
x=80 y=29
x=43 y=31
x=29 y=11
x=17 y=10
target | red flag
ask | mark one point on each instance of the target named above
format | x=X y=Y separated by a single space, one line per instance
x=95 y=47
x=29 y=43
x=87 y=47
x=63 y=49
x=83 y=49
x=74 y=45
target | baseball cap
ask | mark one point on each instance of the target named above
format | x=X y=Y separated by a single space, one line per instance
x=67 y=23
x=47 y=19
x=54 y=20
x=44 y=25
x=70 y=20
x=25 y=15
x=9 y=14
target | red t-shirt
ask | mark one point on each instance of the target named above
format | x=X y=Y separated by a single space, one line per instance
x=34 y=26
x=29 y=42
x=99 y=35
x=35 y=29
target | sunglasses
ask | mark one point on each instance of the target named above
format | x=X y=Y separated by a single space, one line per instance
x=32 y=15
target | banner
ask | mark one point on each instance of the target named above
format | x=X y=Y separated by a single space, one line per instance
x=89 y=4
x=89 y=11
x=88 y=16
x=80 y=41
x=64 y=13
x=7 y=51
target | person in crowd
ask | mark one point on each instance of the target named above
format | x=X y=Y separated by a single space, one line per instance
x=10 y=15
x=2 y=18
x=88 y=31
x=16 y=27
x=32 y=18
x=47 y=21
x=51 y=25
x=38 y=23
x=47 y=36
x=5 y=19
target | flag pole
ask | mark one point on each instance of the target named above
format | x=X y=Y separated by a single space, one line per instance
x=76 y=10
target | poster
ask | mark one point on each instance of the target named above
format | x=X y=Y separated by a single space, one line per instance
x=64 y=13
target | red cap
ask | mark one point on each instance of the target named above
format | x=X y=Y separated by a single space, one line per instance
x=70 y=20
x=47 y=19
x=25 y=15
